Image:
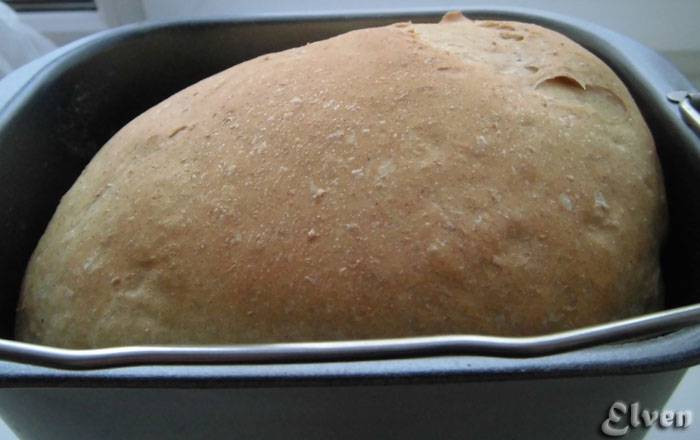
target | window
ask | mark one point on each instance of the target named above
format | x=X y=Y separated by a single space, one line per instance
x=51 y=5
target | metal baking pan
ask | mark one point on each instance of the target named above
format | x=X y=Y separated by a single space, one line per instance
x=446 y=386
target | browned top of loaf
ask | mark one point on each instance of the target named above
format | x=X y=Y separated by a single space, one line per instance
x=414 y=179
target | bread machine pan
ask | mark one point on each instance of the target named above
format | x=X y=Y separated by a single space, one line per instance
x=446 y=386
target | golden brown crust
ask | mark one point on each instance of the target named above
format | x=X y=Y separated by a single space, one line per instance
x=462 y=177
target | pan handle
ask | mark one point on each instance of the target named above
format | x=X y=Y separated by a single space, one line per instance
x=688 y=104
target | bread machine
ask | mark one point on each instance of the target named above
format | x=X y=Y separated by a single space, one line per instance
x=558 y=385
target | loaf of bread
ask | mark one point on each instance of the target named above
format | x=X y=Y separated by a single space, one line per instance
x=466 y=177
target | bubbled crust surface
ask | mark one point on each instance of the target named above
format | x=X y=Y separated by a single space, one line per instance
x=462 y=177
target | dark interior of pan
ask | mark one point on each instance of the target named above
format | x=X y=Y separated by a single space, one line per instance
x=59 y=120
